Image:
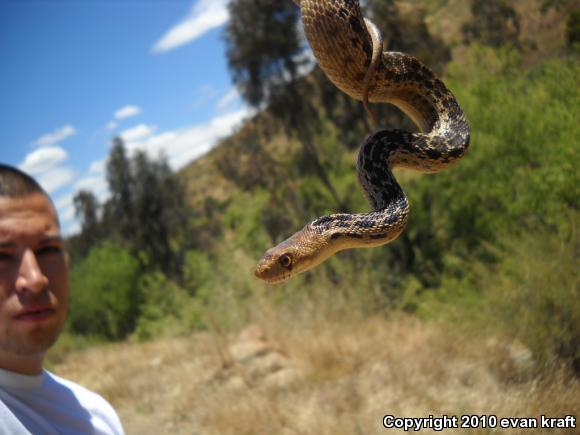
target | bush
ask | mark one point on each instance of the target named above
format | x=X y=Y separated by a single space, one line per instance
x=519 y=174
x=500 y=227
x=534 y=294
x=104 y=299
x=166 y=308
x=197 y=271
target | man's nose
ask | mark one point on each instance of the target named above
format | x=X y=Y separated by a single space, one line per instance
x=31 y=278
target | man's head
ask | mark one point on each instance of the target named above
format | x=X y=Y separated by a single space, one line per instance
x=33 y=273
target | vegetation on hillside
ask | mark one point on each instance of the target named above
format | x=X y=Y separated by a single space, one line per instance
x=492 y=244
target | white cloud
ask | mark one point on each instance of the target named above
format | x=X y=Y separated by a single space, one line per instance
x=112 y=125
x=64 y=204
x=186 y=144
x=181 y=146
x=97 y=185
x=93 y=184
x=43 y=159
x=125 y=112
x=98 y=166
x=56 y=136
x=66 y=212
x=205 y=96
x=71 y=228
x=228 y=99
x=45 y=165
x=64 y=201
x=53 y=179
x=204 y=16
x=140 y=131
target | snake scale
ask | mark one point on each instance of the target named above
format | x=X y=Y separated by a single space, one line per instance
x=348 y=48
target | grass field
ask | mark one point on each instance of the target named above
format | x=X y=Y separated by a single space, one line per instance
x=323 y=377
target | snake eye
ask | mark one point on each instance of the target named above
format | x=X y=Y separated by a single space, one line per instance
x=285 y=260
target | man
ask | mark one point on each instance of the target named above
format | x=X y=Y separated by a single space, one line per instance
x=33 y=308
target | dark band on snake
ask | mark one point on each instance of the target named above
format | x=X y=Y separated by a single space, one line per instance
x=348 y=48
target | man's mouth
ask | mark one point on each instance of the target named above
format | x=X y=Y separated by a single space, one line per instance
x=35 y=314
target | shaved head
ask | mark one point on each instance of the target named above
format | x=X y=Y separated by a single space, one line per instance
x=16 y=184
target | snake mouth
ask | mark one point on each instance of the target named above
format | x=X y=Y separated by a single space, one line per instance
x=274 y=281
x=265 y=274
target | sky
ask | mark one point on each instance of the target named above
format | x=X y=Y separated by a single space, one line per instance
x=76 y=73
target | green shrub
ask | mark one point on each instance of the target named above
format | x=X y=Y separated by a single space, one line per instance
x=166 y=308
x=197 y=271
x=534 y=294
x=495 y=237
x=105 y=299
x=519 y=174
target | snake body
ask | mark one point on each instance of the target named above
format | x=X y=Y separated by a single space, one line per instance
x=348 y=48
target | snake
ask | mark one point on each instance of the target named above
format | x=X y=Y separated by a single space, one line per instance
x=349 y=49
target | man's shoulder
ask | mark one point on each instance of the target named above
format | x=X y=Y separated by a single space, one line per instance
x=80 y=392
x=99 y=408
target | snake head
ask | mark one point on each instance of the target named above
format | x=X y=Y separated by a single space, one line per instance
x=297 y=254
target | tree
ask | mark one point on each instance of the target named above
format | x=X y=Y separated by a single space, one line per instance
x=264 y=50
x=494 y=23
x=146 y=212
x=159 y=207
x=87 y=210
x=408 y=33
x=119 y=212
x=263 y=46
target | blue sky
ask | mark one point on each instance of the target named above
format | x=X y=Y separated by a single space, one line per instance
x=76 y=73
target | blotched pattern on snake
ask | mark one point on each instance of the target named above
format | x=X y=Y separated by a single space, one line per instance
x=348 y=48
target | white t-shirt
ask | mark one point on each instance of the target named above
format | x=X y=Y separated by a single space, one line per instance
x=46 y=404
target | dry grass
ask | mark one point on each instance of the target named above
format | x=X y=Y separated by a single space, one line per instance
x=318 y=377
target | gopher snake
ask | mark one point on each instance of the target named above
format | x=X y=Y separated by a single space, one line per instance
x=348 y=48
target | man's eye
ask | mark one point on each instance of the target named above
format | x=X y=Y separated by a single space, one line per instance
x=5 y=256
x=47 y=250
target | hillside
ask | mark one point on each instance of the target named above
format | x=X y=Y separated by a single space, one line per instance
x=542 y=33
x=475 y=309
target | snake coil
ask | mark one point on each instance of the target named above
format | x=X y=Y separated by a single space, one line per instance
x=348 y=48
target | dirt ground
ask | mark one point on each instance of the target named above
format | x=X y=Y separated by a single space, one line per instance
x=335 y=378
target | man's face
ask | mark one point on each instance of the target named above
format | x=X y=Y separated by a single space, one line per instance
x=33 y=276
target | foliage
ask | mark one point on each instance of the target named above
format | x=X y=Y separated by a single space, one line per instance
x=146 y=211
x=521 y=166
x=492 y=238
x=548 y=4
x=119 y=211
x=573 y=29
x=197 y=271
x=501 y=227
x=164 y=308
x=518 y=175
x=408 y=32
x=246 y=161
x=262 y=47
x=530 y=294
x=159 y=211
x=495 y=23
x=87 y=210
x=104 y=298
x=518 y=180
x=534 y=294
